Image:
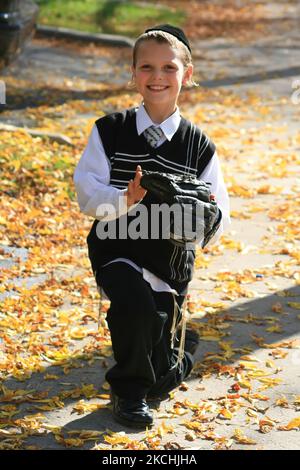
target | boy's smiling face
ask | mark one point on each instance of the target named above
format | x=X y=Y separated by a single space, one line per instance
x=159 y=74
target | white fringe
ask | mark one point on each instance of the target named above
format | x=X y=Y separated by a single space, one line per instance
x=182 y=324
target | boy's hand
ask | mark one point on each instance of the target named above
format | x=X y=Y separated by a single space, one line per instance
x=135 y=192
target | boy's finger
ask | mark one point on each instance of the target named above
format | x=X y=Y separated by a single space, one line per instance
x=137 y=178
x=138 y=170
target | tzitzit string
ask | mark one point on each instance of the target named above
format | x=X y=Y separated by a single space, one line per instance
x=183 y=323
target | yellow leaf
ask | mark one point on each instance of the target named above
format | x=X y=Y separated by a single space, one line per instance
x=210 y=338
x=244 y=384
x=248 y=365
x=269 y=382
x=256 y=396
x=270 y=364
x=283 y=402
x=16 y=164
x=275 y=329
x=82 y=407
x=69 y=442
x=78 y=333
x=226 y=414
x=240 y=215
x=117 y=438
x=89 y=391
x=278 y=354
x=54 y=429
x=164 y=429
x=104 y=396
x=251 y=413
x=257 y=373
x=250 y=358
x=294 y=424
x=86 y=435
x=106 y=386
x=51 y=404
x=241 y=438
x=195 y=426
x=297 y=400
x=178 y=410
x=294 y=305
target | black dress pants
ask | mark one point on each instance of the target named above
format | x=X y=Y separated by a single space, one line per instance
x=140 y=320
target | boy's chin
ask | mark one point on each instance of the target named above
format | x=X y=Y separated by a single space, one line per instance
x=158 y=99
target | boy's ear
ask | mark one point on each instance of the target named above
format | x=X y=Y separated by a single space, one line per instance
x=188 y=74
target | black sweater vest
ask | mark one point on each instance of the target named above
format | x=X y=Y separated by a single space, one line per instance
x=188 y=152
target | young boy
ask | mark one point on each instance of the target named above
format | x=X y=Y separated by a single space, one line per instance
x=146 y=280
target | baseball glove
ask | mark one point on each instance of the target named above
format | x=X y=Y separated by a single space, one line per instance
x=195 y=215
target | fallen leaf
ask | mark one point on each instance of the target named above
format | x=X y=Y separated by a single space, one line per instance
x=266 y=424
x=239 y=437
x=294 y=424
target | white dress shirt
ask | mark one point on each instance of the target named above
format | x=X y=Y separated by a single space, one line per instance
x=92 y=178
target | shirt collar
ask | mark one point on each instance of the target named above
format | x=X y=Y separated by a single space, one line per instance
x=169 y=126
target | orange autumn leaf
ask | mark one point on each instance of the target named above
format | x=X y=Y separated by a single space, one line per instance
x=266 y=424
x=294 y=424
x=226 y=414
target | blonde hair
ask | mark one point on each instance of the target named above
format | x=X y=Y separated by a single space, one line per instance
x=164 y=37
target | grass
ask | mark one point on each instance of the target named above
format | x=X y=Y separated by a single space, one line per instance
x=129 y=18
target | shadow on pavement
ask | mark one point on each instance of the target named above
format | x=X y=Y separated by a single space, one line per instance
x=20 y=99
x=247 y=319
x=257 y=77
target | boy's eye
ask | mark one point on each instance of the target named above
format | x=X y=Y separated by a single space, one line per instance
x=167 y=67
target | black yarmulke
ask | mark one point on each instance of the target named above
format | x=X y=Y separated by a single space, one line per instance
x=177 y=32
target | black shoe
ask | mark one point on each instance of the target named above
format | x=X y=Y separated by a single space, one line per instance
x=191 y=341
x=132 y=413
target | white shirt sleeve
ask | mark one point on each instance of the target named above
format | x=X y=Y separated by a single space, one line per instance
x=91 y=179
x=213 y=174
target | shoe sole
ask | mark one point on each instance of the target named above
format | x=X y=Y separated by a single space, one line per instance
x=131 y=424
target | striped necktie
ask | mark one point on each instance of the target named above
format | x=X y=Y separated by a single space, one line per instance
x=153 y=135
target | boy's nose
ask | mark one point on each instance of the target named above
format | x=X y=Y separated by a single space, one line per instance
x=158 y=74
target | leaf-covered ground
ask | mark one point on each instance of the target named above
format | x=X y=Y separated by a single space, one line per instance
x=244 y=392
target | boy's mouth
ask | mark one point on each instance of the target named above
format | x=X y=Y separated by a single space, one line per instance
x=157 y=88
